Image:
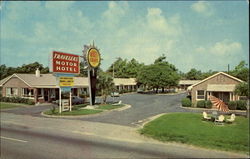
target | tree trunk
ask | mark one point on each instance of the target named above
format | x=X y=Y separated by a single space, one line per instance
x=162 y=90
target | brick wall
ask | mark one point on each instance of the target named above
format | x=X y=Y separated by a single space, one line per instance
x=14 y=82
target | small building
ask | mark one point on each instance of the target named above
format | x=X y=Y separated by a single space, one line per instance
x=44 y=87
x=184 y=84
x=220 y=85
x=128 y=84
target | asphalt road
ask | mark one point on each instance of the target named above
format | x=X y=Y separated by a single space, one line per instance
x=26 y=143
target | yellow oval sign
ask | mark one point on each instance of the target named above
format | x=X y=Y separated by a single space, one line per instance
x=93 y=57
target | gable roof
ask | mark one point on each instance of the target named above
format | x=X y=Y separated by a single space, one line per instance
x=45 y=80
x=124 y=81
x=237 y=79
x=188 y=82
x=49 y=80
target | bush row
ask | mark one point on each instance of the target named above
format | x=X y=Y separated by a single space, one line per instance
x=237 y=105
x=232 y=105
x=204 y=104
x=186 y=102
x=17 y=100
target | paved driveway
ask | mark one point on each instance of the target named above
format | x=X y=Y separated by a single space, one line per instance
x=143 y=106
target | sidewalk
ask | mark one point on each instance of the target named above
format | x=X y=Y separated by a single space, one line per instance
x=112 y=132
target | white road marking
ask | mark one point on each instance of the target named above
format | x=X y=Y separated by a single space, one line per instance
x=8 y=138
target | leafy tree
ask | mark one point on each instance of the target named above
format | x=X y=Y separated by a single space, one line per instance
x=83 y=71
x=25 y=68
x=194 y=74
x=124 y=68
x=105 y=84
x=242 y=89
x=161 y=74
x=241 y=71
x=207 y=74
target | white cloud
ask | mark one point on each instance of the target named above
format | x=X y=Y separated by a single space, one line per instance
x=158 y=23
x=114 y=13
x=200 y=49
x=226 y=47
x=144 y=37
x=221 y=48
x=202 y=7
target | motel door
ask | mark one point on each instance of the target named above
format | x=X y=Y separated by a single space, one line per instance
x=46 y=95
x=224 y=96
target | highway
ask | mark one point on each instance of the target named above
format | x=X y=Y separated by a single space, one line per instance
x=24 y=143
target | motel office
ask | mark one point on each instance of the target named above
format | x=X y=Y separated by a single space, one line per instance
x=44 y=88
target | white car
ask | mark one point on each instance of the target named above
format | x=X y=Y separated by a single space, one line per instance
x=115 y=94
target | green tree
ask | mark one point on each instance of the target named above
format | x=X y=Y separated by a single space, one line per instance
x=25 y=68
x=242 y=89
x=125 y=69
x=194 y=74
x=241 y=71
x=105 y=84
x=161 y=74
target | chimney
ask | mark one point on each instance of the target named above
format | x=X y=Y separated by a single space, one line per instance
x=37 y=72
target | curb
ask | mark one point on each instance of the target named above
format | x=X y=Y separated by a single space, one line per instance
x=162 y=94
x=127 y=106
x=141 y=123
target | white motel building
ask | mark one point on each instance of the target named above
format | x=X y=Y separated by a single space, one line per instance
x=44 y=87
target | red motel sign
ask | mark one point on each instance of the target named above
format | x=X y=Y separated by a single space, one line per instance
x=65 y=63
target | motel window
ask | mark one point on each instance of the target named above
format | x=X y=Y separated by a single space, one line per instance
x=11 y=92
x=26 y=92
x=200 y=94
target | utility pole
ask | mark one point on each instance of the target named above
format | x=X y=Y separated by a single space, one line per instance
x=228 y=68
x=113 y=71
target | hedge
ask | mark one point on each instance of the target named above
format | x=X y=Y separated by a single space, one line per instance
x=201 y=104
x=186 y=102
x=17 y=100
x=237 y=105
x=241 y=105
x=232 y=105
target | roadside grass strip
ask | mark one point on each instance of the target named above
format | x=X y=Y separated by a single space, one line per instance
x=74 y=112
x=189 y=128
x=110 y=106
x=4 y=105
x=77 y=110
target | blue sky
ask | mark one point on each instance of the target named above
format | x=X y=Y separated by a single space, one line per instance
x=206 y=35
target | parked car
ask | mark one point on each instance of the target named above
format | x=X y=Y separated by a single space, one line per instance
x=77 y=100
x=115 y=94
x=74 y=100
x=139 y=90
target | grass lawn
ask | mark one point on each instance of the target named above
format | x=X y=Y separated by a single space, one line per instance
x=110 y=106
x=4 y=105
x=74 y=112
x=189 y=128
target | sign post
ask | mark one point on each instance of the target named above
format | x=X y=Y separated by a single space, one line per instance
x=93 y=59
x=60 y=100
x=65 y=66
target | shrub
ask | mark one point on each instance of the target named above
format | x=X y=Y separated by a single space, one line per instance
x=241 y=105
x=232 y=105
x=186 y=102
x=208 y=104
x=201 y=104
x=30 y=102
x=53 y=110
